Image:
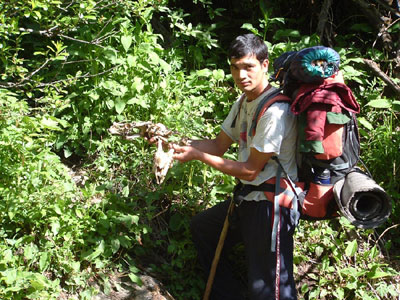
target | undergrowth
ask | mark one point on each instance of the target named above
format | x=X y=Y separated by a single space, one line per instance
x=78 y=205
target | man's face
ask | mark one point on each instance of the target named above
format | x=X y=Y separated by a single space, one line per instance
x=249 y=74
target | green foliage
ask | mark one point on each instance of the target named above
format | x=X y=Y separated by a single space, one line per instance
x=78 y=204
x=345 y=263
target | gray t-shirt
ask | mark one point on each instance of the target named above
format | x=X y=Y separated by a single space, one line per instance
x=276 y=133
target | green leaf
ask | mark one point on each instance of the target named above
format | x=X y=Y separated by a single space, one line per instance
x=219 y=74
x=50 y=123
x=319 y=250
x=30 y=251
x=56 y=207
x=115 y=245
x=7 y=256
x=111 y=55
x=396 y=105
x=44 y=261
x=110 y=103
x=93 y=254
x=223 y=188
x=120 y=105
x=136 y=279
x=380 y=103
x=250 y=27
x=351 y=248
x=352 y=285
x=131 y=60
x=128 y=220
x=137 y=85
x=165 y=66
x=284 y=33
x=154 y=58
x=365 y=123
x=264 y=9
x=55 y=227
x=204 y=73
x=376 y=273
x=349 y=272
x=175 y=222
x=373 y=252
x=125 y=191
x=9 y=276
x=339 y=293
x=139 y=101
x=126 y=42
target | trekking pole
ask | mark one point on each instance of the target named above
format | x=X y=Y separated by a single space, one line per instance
x=218 y=250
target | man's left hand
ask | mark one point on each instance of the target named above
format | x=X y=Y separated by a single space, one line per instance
x=184 y=153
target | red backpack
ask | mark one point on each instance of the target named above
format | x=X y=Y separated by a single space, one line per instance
x=312 y=195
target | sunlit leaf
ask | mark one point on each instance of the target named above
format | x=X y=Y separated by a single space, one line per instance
x=351 y=248
x=364 y=122
x=44 y=261
x=204 y=72
x=120 y=105
x=50 y=123
x=126 y=42
x=98 y=251
x=379 y=103
x=139 y=101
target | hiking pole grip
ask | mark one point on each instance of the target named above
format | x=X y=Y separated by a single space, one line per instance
x=218 y=250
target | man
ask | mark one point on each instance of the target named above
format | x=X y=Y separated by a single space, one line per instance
x=275 y=136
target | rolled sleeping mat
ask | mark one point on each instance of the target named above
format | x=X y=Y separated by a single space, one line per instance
x=314 y=64
x=361 y=200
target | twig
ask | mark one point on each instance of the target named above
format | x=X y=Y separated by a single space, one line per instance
x=372 y=288
x=386 y=230
x=388 y=7
x=375 y=68
x=21 y=83
x=161 y=212
x=47 y=32
x=80 y=41
x=77 y=61
x=79 y=77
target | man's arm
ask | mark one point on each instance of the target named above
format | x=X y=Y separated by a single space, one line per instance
x=217 y=146
x=210 y=152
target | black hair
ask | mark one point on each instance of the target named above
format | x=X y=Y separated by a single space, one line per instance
x=248 y=44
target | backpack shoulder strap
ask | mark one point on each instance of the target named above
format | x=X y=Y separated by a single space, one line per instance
x=264 y=104
x=238 y=113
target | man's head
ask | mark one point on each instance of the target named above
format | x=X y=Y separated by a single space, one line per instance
x=248 y=44
x=248 y=57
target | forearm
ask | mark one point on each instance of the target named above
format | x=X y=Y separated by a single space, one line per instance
x=208 y=146
x=237 y=169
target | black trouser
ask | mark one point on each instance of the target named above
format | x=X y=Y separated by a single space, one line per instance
x=253 y=227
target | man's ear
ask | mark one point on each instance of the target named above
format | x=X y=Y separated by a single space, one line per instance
x=265 y=64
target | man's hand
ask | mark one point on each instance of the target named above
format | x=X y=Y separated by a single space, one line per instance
x=185 y=153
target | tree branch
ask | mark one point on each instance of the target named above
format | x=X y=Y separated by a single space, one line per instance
x=323 y=19
x=377 y=20
x=375 y=68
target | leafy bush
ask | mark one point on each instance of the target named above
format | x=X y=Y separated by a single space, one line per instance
x=78 y=204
